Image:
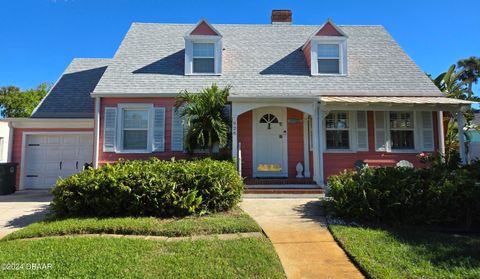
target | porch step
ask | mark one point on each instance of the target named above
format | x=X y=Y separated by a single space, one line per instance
x=278 y=181
x=291 y=191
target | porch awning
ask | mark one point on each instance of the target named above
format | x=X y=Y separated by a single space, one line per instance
x=395 y=100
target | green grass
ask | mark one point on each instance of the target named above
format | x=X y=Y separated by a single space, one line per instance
x=108 y=257
x=234 y=221
x=411 y=254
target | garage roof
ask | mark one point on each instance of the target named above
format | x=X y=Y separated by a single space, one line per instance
x=70 y=95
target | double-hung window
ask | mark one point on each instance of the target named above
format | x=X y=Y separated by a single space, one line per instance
x=402 y=130
x=328 y=58
x=203 y=58
x=337 y=130
x=135 y=129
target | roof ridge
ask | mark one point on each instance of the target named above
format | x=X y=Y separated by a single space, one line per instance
x=255 y=24
x=91 y=58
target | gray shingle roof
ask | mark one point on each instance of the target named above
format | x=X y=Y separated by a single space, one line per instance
x=262 y=61
x=70 y=96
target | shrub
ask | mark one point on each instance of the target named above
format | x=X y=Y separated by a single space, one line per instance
x=149 y=188
x=397 y=195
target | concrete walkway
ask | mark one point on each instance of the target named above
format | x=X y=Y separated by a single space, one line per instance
x=22 y=208
x=297 y=229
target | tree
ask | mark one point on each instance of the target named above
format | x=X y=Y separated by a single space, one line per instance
x=455 y=85
x=17 y=103
x=206 y=121
x=470 y=68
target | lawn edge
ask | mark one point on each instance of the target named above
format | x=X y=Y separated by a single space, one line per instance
x=349 y=255
x=224 y=236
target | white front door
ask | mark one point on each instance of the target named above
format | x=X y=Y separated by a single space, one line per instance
x=270 y=142
x=49 y=157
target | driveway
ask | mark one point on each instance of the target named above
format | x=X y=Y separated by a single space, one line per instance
x=297 y=228
x=22 y=208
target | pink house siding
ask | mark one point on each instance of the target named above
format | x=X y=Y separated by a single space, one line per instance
x=307 y=52
x=245 y=136
x=328 y=30
x=17 y=145
x=167 y=103
x=333 y=163
x=203 y=29
x=295 y=141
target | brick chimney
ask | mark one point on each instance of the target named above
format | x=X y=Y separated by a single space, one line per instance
x=282 y=17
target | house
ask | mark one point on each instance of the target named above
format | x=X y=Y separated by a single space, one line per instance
x=473 y=137
x=5 y=132
x=307 y=101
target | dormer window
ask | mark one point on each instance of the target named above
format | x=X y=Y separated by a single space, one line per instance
x=326 y=51
x=328 y=58
x=203 y=50
x=203 y=58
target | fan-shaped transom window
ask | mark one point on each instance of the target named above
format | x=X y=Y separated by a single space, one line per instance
x=269 y=119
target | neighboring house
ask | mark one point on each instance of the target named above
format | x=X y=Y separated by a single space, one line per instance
x=5 y=132
x=473 y=137
x=306 y=101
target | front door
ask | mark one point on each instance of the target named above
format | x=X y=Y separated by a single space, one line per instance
x=270 y=142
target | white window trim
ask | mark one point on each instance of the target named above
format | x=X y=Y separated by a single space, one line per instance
x=351 y=131
x=190 y=40
x=121 y=108
x=341 y=42
x=388 y=142
x=414 y=129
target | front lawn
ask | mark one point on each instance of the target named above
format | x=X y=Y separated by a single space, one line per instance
x=233 y=221
x=411 y=254
x=108 y=257
x=113 y=257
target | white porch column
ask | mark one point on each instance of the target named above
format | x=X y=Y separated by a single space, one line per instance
x=306 y=147
x=461 y=137
x=96 y=132
x=441 y=134
x=317 y=144
x=234 y=135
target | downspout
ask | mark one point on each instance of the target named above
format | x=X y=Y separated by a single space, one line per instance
x=97 y=132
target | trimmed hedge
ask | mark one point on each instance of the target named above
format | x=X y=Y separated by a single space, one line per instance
x=149 y=188
x=435 y=196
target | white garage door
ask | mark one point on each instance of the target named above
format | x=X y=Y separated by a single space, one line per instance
x=49 y=157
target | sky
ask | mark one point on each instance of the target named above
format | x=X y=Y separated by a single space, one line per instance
x=39 y=38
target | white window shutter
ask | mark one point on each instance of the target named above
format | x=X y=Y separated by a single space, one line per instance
x=380 y=131
x=159 y=129
x=218 y=57
x=362 y=131
x=110 y=129
x=177 y=131
x=188 y=56
x=427 y=131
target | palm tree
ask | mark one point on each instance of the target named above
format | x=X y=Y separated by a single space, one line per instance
x=454 y=85
x=470 y=71
x=206 y=121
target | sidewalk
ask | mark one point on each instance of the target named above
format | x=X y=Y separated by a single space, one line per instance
x=297 y=229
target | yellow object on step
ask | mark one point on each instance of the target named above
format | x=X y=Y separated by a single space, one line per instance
x=269 y=167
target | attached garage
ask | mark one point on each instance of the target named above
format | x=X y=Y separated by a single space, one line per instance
x=48 y=157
